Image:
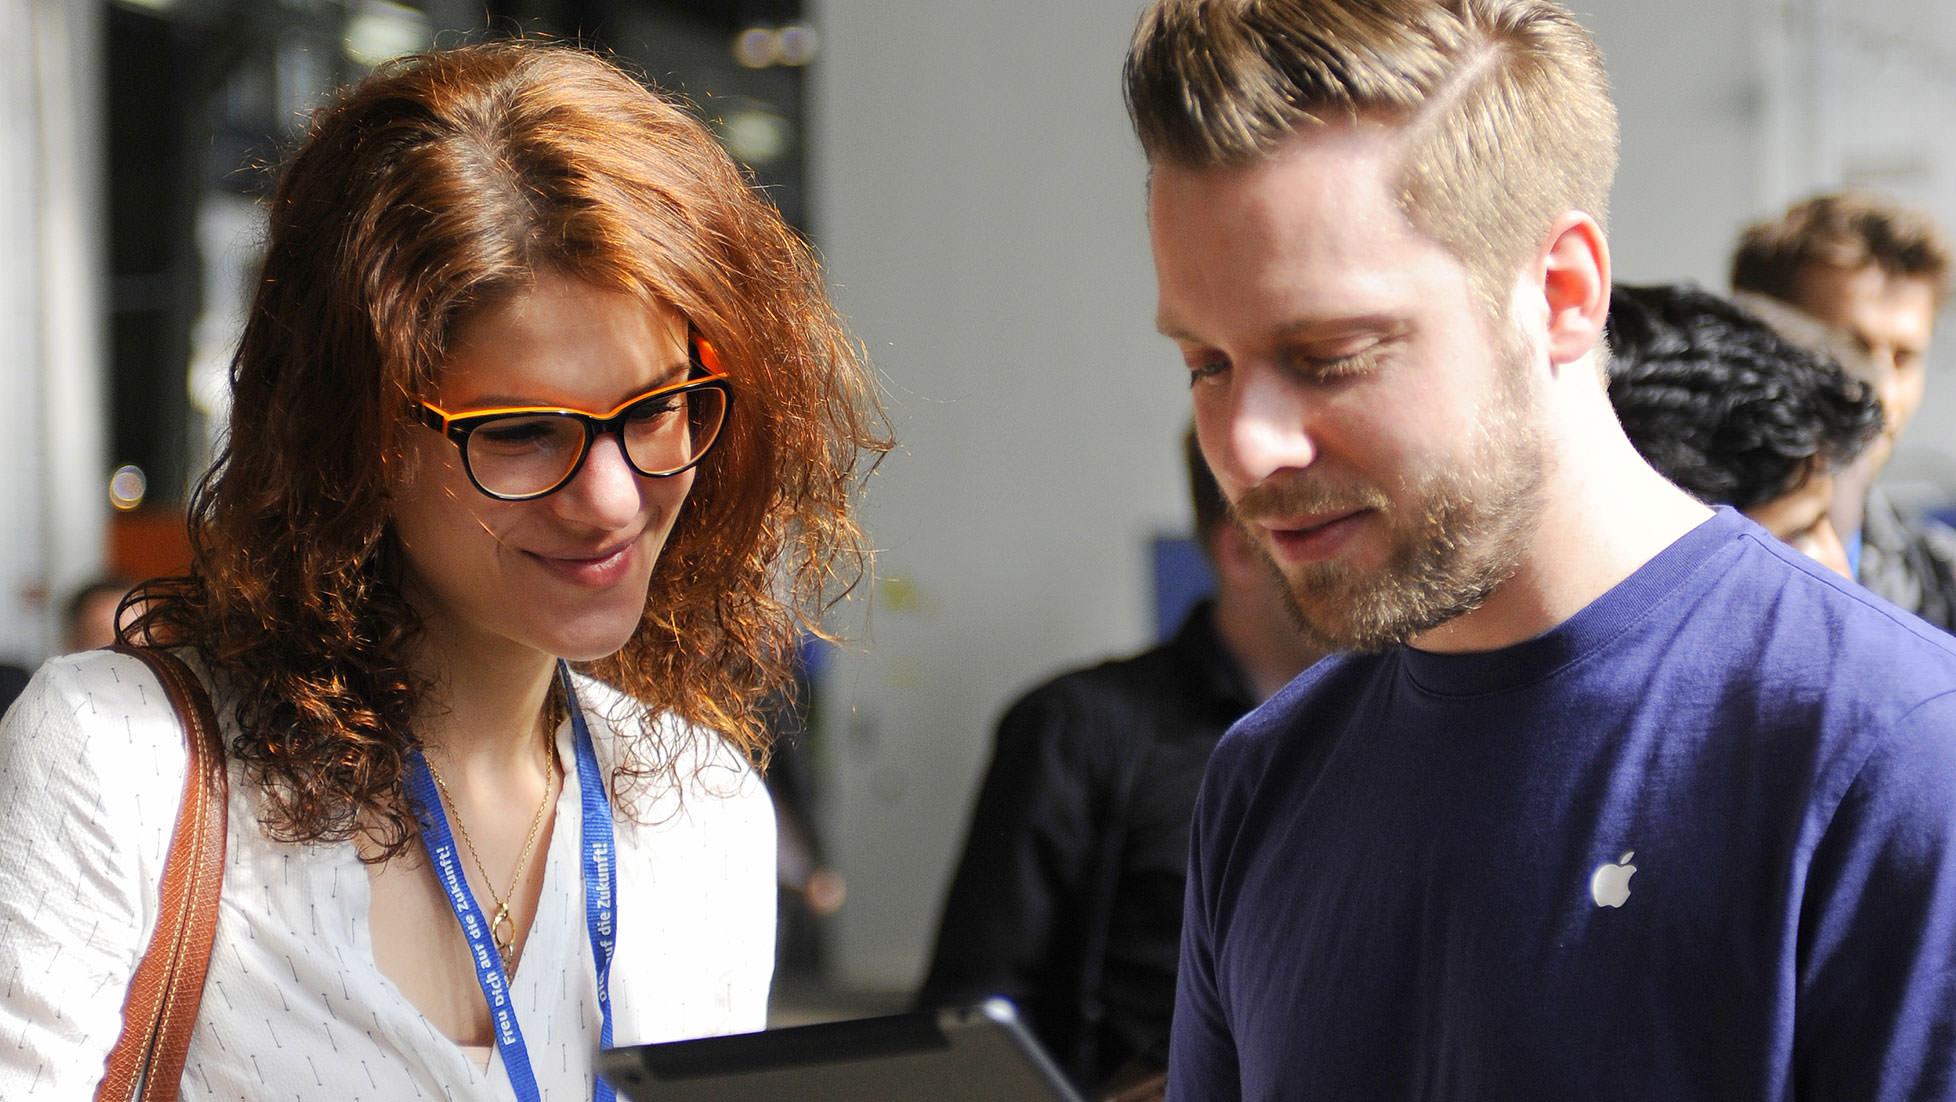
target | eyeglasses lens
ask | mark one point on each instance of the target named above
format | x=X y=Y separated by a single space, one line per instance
x=517 y=456
x=669 y=433
x=527 y=454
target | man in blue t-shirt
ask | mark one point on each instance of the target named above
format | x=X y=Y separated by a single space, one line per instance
x=1612 y=796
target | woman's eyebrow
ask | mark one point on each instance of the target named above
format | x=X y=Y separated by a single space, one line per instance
x=671 y=375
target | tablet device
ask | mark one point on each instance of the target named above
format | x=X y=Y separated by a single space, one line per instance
x=980 y=1053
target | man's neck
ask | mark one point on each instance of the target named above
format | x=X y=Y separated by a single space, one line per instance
x=1604 y=514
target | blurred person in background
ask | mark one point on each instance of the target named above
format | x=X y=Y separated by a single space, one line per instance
x=88 y=619
x=1068 y=896
x=1736 y=414
x=1878 y=271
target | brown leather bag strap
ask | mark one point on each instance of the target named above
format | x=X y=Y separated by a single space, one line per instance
x=161 y=1009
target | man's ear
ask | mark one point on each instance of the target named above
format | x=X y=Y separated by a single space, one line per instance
x=1231 y=553
x=1575 y=275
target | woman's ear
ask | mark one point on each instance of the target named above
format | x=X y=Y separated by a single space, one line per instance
x=400 y=462
x=398 y=466
x=1575 y=273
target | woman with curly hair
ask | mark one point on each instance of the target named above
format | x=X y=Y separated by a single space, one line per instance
x=540 y=455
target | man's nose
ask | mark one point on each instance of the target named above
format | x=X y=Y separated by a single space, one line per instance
x=1273 y=425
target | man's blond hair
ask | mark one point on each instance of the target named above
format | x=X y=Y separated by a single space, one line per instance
x=1504 y=105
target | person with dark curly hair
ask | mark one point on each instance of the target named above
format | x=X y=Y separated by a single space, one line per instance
x=1878 y=271
x=1725 y=407
x=541 y=453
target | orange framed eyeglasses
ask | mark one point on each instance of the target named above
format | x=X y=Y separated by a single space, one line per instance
x=521 y=453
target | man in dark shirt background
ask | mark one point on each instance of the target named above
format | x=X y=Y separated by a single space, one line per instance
x=1068 y=899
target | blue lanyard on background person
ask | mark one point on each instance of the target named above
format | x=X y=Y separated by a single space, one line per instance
x=600 y=866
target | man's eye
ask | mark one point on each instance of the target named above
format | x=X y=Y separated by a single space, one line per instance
x=1205 y=367
x=1335 y=368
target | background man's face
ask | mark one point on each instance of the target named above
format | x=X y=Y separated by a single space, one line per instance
x=1892 y=318
x=1374 y=432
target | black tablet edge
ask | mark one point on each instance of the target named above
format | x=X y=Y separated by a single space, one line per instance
x=795 y=1046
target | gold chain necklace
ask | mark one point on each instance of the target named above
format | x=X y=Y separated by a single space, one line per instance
x=502 y=928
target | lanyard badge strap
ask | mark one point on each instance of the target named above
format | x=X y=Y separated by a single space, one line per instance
x=440 y=843
x=599 y=866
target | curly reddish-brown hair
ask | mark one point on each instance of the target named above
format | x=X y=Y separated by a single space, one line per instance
x=436 y=187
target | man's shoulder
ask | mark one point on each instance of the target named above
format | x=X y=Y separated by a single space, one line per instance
x=1319 y=700
x=1800 y=607
x=1835 y=658
x=1765 y=639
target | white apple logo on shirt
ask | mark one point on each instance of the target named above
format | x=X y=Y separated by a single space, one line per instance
x=1610 y=885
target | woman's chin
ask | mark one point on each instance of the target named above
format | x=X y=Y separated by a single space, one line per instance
x=594 y=647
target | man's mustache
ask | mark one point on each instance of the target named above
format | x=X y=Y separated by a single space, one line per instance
x=1298 y=495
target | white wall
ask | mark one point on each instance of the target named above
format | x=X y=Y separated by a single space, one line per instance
x=54 y=484
x=979 y=201
x=1690 y=108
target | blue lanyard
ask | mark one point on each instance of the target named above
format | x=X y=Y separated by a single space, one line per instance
x=600 y=868
x=600 y=865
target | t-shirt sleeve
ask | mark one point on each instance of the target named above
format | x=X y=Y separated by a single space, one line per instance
x=1877 y=985
x=1202 y=1062
x=89 y=787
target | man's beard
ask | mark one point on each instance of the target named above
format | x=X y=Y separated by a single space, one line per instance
x=1455 y=535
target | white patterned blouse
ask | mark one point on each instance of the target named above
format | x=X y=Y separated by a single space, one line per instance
x=92 y=764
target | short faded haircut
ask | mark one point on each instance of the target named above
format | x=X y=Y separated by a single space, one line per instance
x=1504 y=106
x=1848 y=229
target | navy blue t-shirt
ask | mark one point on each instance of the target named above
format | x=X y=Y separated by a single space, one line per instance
x=1397 y=884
